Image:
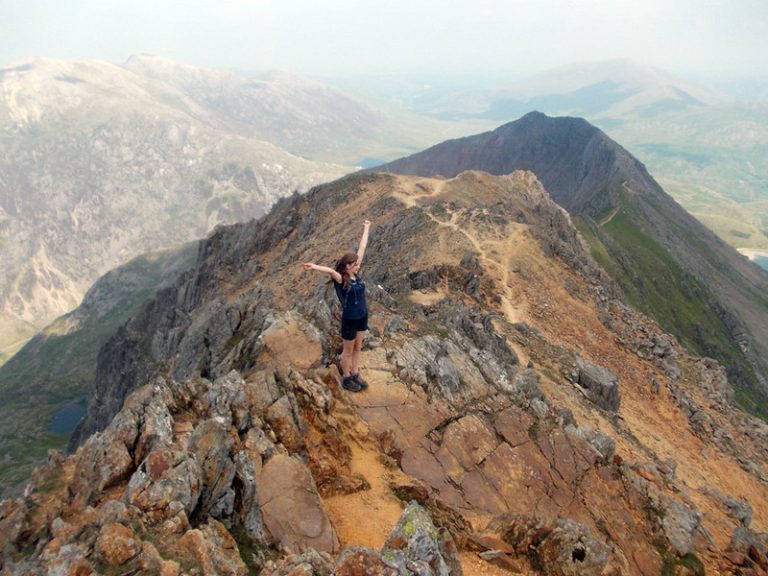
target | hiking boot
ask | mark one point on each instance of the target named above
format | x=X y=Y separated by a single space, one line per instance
x=360 y=382
x=349 y=383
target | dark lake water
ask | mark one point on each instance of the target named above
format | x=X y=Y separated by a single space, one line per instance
x=761 y=261
x=67 y=417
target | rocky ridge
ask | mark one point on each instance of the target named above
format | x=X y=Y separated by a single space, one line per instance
x=530 y=414
x=668 y=264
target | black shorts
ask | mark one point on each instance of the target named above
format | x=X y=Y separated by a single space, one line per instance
x=350 y=328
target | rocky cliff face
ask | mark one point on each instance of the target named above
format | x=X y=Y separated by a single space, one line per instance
x=536 y=421
x=99 y=164
x=668 y=264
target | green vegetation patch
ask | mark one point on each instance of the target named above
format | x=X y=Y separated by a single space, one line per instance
x=655 y=283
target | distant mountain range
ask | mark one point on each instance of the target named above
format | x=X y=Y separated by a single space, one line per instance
x=668 y=264
x=301 y=115
x=611 y=90
x=100 y=163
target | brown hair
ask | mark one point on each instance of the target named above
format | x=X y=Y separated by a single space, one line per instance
x=341 y=267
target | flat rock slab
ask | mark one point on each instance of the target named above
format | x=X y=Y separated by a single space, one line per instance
x=389 y=405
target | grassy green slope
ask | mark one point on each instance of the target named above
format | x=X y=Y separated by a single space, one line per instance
x=13 y=336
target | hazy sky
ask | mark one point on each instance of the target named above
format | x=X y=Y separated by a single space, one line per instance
x=336 y=37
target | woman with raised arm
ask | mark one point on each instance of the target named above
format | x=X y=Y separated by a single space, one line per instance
x=350 y=290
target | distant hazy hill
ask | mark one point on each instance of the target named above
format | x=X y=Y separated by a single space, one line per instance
x=294 y=112
x=612 y=90
x=669 y=264
x=605 y=89
x=99 y=164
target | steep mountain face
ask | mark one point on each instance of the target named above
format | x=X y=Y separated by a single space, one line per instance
x=668 y=264
x=534 y=417
x=45 y=386
x=99 y=164
x=300 y=115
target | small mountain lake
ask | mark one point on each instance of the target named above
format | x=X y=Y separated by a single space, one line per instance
x=66 y=418
x=761 y=261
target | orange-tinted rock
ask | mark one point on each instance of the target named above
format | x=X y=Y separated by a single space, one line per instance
x=422 y=464
x=193 y=544
x=149 y=558
x=513 y=424
x=213 y=549
x=156 y=465
x=117 y=544
x=223 y=549
x=282 y=419
x=169 y=568
x=464 y=445
x=291 y=508
x=363 y=562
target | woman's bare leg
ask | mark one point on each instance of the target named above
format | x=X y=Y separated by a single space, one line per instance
x=347 y=356
x=358 y=345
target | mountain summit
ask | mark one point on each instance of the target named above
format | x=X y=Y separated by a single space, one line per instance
x=530 y=418
x=668 y=264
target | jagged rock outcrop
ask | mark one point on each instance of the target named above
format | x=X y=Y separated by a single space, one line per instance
x=563 y=548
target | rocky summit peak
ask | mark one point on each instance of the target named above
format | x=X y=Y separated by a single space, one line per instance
x=531 y=420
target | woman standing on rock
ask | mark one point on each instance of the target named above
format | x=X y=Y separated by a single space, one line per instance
x=350 y=289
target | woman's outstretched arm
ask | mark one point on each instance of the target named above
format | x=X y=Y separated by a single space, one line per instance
x=363 y=242
x=324 y=269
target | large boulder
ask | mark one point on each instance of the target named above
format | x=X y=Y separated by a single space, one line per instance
x=291 y=508
x=599 y=384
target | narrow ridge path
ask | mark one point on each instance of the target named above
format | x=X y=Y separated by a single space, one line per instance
x=513 y=313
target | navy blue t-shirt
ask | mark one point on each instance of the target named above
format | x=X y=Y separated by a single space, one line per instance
x=353 y=305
